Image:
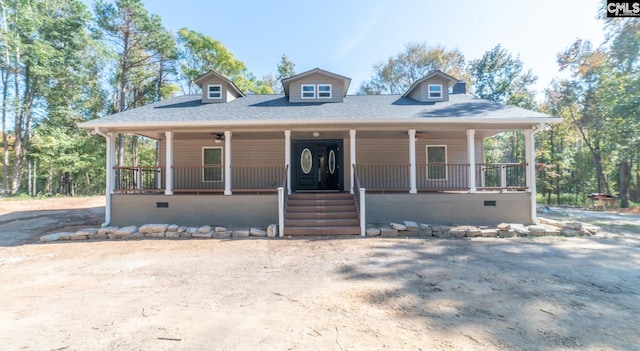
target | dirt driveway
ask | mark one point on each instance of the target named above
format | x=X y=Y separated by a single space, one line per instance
x=547 y=293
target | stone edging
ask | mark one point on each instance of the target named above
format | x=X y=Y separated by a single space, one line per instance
x=546 y=227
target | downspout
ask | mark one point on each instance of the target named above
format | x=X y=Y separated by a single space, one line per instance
x=107 y=207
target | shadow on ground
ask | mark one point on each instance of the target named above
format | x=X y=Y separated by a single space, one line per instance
x=26 y=227
x=527 y=295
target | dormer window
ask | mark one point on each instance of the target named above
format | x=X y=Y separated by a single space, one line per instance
x=324 y=91
x=435 y=91
x=308 y=91
x=214 y=91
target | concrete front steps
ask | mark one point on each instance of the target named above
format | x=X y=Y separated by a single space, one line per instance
x=321 y=214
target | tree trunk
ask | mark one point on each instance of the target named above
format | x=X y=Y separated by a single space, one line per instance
x=6 y=74
x=595 y=155
x=635 y=195
x=134 y=150
x=625 y=177
x=49 y=185
x=120 y=150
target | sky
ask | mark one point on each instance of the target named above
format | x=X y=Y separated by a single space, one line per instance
x=348 y=37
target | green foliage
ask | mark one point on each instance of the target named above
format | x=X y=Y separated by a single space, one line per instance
x=564 y=199
x=286 y=68
x=499 y=77
x=399 y=72
x=200 y=53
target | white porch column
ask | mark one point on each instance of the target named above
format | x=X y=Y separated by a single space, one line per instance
x=352 y=156
x=227 y=162
x=412 y=162
x=530 y=172
x=168 y=189
x=111 y=176
x=471 y=156
x=287 y=158
x=111 y=160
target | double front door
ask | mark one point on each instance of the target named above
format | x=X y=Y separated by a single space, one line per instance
x=317 y=165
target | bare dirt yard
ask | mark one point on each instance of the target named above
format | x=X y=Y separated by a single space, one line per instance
x=548 y=293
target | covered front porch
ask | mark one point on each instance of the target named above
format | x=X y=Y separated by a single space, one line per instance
x=253 y=162
x=425 y=170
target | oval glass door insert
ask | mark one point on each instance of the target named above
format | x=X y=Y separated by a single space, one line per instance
x=306 y=161
x=332 y=161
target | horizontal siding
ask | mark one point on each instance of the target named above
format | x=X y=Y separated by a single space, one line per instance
x=243 y=152
x=227 y=94
x=456 y=150
x=337 y=89
x=257 y=152
x=422 y=92
x=368 y=151
x=382 y=151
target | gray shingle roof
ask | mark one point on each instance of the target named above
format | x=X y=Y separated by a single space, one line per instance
x=354 y=109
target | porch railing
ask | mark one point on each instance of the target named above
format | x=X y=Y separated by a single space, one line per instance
x=139 y=179
x=442 y=176
x=380 y=177
x=501 y=176
x=256 y=178
x=198 y=178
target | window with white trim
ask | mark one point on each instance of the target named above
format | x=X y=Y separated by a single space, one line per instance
x=435 y=91
x=436 y=162
x=308 y=91
x=324 y=91
x=211 y=164
x=214 y=91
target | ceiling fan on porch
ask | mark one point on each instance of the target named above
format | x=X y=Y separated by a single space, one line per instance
x=218 y=137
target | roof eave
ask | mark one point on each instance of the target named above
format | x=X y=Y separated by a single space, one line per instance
x=328 y=121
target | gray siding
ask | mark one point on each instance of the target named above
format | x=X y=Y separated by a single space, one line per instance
x=227 y=94
x=337 y=88
x=270 y=152
x=456 y=150
x=382 y=151
x=188 y=152
x=422 y=92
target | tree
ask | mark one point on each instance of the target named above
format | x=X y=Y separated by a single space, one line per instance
x=399 y=72
x=141 y=48
x=286 y=69
x=583 y=99
x=45 y=46
x=199 y=53
x=498 y=76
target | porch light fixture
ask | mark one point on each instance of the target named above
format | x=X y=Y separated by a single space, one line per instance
x=316 y=134
x=219 y=137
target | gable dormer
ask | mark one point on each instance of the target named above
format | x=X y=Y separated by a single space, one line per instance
x=316 y=85
x=432 y=88
x=217 y=89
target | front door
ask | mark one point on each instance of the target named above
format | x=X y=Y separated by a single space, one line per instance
x=317 y=165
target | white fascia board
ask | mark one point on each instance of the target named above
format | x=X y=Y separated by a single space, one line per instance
x=328 y=121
